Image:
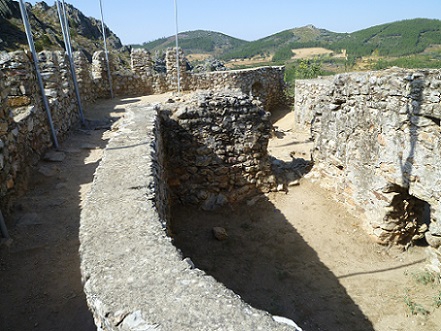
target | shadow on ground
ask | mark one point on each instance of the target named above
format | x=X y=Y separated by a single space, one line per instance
x=40 y=281
x=267 y=262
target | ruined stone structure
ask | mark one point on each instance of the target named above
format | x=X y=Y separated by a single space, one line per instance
x=377 y=144
x=24 y=128
x=134 y=278
x=216 y=149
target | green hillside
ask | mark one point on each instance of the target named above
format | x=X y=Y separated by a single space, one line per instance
x=392 y=39
x=395 y=39
x=199 y=41
x=281 y=44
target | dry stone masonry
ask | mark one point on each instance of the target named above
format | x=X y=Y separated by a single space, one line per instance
x=216 y=149
x=24 y=128
x=377 y=143
x=124 y=289
x=134 y=278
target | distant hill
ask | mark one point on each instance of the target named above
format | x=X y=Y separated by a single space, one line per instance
x=392 y=39
x=285 y=41
x=199 y=41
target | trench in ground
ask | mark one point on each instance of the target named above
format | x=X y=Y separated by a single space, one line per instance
x=303 y=256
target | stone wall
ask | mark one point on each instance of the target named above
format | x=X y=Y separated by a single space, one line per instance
x=309 y=94
x=216 y=149
x=265 y=83
x=134 y=278
x=377 y=143
x=24 y=128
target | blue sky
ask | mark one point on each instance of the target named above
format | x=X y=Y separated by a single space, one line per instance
x=137 y=21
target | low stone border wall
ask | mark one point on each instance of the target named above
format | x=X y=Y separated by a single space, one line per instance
x=134 y=278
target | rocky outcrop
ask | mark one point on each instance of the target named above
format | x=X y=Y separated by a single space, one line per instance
x=47 y=32
x=377 y=143
x=8 y=9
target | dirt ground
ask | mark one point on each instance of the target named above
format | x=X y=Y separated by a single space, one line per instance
x=303 y=256
x=40 y=281
x=298 y=255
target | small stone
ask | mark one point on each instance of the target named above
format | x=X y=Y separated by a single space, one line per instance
x=18 y=101
x=287 y=321
x=423 y=228
x=10 y=183
x=294 y=183
x=189 y=262
x=29 y=219
x=434 y=241
x=53 y=156
x=47 y=171
x=220 y=233
x=3 y=127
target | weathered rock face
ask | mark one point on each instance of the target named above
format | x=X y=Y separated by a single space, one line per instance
x=46 y=29
x=377 y=139
x=216 y=149
x=8 y=9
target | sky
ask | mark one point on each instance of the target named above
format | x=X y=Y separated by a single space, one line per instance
x=138 y=21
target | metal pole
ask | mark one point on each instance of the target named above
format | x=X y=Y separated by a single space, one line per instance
x=27 y=26
x=109 y=75
x=68 y=44
x=177 y=48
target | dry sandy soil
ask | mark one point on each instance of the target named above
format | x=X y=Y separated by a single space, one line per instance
x=299 y=254
x=303 y=256
x=40 y=281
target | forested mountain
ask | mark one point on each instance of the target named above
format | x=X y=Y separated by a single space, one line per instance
x=397 y=39
x=392 y=39
x=199 y=41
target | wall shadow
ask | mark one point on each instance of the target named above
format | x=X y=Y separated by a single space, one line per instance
x=264 y=259
x=40 y=279
x=410 y=211
x=268 y=263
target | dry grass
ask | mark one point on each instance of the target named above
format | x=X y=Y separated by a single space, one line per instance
x=305 y=53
